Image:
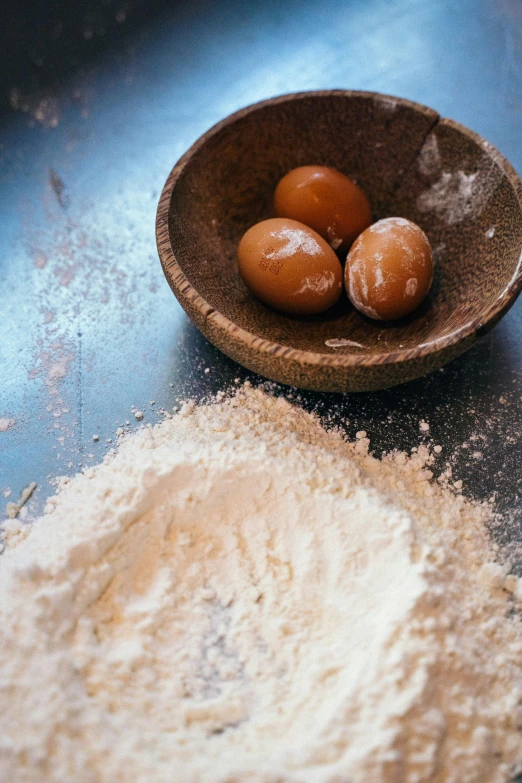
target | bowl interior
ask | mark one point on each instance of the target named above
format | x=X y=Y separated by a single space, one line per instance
x=409 y=162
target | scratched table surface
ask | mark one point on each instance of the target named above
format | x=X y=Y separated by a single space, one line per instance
x=99 y=101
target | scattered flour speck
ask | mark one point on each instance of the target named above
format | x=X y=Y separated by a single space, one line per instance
x=457 y=195
x=6 y=424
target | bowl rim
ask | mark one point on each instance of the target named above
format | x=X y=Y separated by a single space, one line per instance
x=185 y=291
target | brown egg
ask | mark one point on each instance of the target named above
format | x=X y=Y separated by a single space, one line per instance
x=389 y=269
x=289 y=267
x=325 y=200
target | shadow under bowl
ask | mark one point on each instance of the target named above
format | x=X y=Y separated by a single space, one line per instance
x=411 y=163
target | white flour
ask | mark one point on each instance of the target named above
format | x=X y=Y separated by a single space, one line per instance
x=457 y=196
x=6 y=424
x=454 y=195
x=238 y=596
x=429 y=161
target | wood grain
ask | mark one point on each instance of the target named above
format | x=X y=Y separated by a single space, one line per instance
x=411 y=163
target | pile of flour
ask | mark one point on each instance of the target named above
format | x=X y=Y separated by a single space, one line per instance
x=239 y=596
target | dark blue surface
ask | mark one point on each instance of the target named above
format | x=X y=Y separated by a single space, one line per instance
x=89 y=327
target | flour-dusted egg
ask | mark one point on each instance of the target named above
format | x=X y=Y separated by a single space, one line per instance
x=290 y=267
x=327 y=201
x=389 y=269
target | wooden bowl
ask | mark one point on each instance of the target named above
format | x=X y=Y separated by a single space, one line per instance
x=411 y=163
